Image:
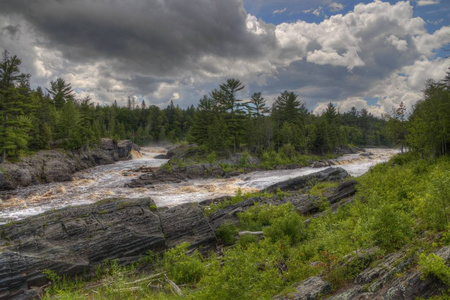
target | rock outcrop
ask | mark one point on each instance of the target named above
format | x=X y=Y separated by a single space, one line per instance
x=59 y=165
x=177 y=174
x=312 y=288
x=74 y=240
x=294 y=184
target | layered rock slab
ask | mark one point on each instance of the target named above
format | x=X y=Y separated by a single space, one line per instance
x=74 y=240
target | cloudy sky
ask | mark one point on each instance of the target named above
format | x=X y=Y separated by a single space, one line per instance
x=361 y=53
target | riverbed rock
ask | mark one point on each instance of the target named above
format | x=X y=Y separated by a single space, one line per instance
x=294 y=184
x=177 y=174
x=74 y=240
x=123 y=148
x=58 y=165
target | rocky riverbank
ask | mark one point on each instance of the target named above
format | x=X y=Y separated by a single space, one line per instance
x=73 y=241
x=58 y=165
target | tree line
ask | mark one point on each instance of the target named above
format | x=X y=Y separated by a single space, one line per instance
x=44 y=118
x=223 y=121
x=35 y=119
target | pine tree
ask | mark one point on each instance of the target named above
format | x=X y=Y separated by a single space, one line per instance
x=61 y=92
x=257 y=105
x=14 y=103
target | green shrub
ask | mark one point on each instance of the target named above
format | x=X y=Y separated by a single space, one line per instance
x=183 y=268
x=435 y=265
x=288 y=226
x=259 y=216
x=391 y=227
x=212 y=157
x=247 y=239
x=226 y=233
x=436 y=212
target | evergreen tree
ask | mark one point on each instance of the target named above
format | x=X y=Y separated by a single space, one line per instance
x=14 y=102
x=257 y=106
x=61 y=92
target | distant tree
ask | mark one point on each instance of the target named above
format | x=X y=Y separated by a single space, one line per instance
x=257 y=105
x=61 y=92
x=287 y=108
x=229 y=98
x=396 y=126
x=227 y=102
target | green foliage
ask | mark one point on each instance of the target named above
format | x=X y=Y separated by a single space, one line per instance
x=183 y=268
x=429 y=123
x=433 y=264
x=320 y=188
x=236 y=199
x=259 y=216
x=226 y=233
x=434 y=207
x=212 y=157
x=287 y=228
x=391 y=227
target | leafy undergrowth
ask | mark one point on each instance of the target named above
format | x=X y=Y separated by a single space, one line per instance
x=402 y=204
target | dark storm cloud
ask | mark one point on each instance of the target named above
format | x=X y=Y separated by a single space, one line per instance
x=164 y=37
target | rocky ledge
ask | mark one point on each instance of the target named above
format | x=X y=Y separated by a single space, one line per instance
x=395 y=276
x=59 y=165
x=74 y=240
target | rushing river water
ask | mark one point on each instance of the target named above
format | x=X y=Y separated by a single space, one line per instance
x=108 y=181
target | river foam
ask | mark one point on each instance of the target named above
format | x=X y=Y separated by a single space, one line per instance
x=108 y=181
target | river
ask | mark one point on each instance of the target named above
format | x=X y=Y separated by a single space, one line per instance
x=108 y=181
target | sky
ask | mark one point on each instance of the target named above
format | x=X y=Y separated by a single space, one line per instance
x=363 y=54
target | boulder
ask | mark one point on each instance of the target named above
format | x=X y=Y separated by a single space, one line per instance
x=123 y=148
x=294 y=184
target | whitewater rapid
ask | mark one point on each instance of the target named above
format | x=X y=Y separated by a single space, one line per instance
x=108 y=181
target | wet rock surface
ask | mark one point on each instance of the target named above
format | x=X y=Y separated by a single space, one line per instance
x=58 y=165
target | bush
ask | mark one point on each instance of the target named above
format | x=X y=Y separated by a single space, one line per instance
x=226 y=233
x=212 y=157
x=435 y=265
x=436 y=212
x=183 y=268
x=288 y=226
x=391 y=228
x=259 y=216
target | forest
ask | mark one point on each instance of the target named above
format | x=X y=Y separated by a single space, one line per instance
x=53 y=117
